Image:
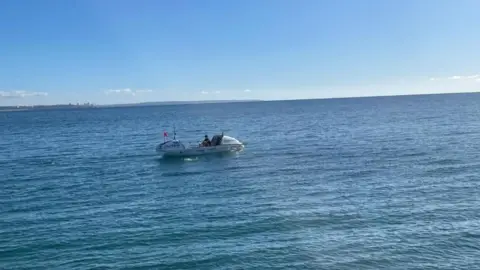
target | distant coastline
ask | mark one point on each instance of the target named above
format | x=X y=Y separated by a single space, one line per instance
x=89 y=105
x=164 y=103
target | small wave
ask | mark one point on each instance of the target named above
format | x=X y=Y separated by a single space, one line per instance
x=232 y=168
x=175 y=174
x=449 y=170
x=445 y=161
x=413 y=154
x=471 y=235
x=360 y=173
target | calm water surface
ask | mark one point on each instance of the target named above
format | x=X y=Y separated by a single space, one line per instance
x=375 y=183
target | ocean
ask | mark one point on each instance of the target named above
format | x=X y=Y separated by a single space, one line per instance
x=358 y=183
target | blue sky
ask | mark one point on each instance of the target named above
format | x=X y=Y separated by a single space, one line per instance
x=57 y=51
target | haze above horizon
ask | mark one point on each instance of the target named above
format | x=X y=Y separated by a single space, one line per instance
x=113 y=52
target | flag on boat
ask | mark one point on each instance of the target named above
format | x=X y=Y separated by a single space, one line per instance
x=165 y=134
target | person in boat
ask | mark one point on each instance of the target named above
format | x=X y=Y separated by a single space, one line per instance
x=206 y=141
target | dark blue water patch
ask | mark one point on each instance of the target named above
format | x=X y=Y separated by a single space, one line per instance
x=32 y=161
x=449 y=170
x=174 y=174
x=443 y=162
x=359 y=174
x=412 y=154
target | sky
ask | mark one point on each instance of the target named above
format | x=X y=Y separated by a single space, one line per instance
x=119 y=51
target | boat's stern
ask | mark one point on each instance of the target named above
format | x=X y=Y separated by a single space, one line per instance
x=232 y=143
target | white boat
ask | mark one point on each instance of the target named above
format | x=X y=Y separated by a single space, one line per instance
x=219 y=144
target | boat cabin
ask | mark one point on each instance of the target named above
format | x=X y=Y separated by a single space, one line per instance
x=216 y=140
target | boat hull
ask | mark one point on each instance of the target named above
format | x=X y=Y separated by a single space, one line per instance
x=201 y=151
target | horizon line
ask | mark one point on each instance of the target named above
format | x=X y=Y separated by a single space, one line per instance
x=192 y=102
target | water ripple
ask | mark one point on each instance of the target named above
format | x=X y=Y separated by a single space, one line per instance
x=381 y=183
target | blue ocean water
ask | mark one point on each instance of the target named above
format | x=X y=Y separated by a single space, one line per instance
x=365 y=183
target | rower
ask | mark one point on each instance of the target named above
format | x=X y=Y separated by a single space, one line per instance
x=206 y=141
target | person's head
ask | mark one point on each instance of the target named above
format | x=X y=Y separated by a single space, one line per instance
x=206 y=136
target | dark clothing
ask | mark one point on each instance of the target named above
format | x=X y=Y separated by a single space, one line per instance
x=206 y=142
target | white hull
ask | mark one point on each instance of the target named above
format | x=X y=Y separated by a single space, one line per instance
x=201 y=151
